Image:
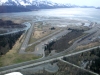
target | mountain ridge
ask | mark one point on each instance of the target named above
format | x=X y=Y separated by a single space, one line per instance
x=29 y=2
x=28 y=5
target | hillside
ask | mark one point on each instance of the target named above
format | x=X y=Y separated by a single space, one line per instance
x=7 y=9
x=28 y=5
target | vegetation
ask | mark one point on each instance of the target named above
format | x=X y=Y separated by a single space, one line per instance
x=9 y=24
x=41 y=31
x=13 y=56
x=7 y=41
x=64 y=69
x=31 y=48
x=86 y=46
x=64 y=42
x=10 y=45
x=86 y=36
x=89 y=60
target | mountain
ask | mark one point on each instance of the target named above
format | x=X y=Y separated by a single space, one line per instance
x=28 y=5
x=7 y=9
x=37 y=3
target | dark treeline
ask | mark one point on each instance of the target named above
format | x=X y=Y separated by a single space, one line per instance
x=64 y=69
x=48 y=46
x=95 y=65
x=7 y=41
x=9 y=24
x=63 y=42
x=87 y=36
x=89 y=60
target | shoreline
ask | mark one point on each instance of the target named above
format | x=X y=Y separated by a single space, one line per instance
x=24 y=29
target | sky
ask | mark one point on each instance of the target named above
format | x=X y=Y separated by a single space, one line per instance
x=76 y=2
x=79 y=2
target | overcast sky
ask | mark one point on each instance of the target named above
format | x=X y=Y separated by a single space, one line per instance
x=80 y=2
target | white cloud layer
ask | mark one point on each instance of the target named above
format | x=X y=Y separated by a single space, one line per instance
x=76 y=2
x=80 y=2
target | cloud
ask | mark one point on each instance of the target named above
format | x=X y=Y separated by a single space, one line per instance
x=80 y=2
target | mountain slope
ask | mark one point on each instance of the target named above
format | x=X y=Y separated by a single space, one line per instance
x=7 y=9
x=28 y=2
x=28 y=5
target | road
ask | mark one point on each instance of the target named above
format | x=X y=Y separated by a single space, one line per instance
x=79 y=67
x=40 y=40
x=25 y=43
x=39 y=61
x=48 y=59
x=95 y=32
x=39 y=48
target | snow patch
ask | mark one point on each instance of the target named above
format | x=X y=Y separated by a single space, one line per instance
x=24 y=4
x=30 y=2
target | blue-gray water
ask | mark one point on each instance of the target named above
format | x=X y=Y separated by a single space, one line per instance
x=91 y=14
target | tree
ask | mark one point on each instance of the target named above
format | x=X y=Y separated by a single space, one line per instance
x=64 y=58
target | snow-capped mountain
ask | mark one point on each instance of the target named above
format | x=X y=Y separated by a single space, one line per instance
x=37 y=3
x=31 y=4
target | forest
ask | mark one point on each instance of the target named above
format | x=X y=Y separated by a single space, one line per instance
x=89 y=60
x=64 y=69
x=9 y=24
x=64 y=42
x=7 y=41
